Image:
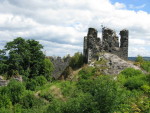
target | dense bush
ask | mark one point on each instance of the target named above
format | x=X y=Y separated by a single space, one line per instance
x=15 y=91
x=146 y=65
x=132 y=79
x=40 y=80
x=86 y=72
x=83 y=103
x=30 y=101
x=108 y=94
x=129 y=72
x=5 y=101
x=134 y=82
x=31 y=84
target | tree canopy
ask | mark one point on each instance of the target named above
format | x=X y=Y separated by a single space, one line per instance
x=25 y=57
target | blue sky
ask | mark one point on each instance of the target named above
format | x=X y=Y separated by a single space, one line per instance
x=135 y=5
x=60 y=25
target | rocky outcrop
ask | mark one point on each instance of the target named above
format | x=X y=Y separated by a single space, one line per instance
x=18 y=78
x=5 y=82
x=113 y=64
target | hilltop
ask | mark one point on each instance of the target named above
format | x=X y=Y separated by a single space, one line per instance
x=106 y=84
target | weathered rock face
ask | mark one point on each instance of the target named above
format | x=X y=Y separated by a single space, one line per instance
x=59 y=65
x=1 y=78
x=18 y=78
x=3 y=82
x=110 y=43
x=114 y=64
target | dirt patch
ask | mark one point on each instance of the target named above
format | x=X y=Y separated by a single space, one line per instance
x=56 y=92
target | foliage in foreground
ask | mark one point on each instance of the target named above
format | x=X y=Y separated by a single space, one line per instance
x=92 y=93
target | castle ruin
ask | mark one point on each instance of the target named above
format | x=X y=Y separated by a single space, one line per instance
x=109 y=43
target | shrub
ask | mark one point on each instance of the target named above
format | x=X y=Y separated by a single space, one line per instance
x=86 y=85
x=31 y=84
x=105 y=91
x=5 y=101
x=55 y=107
x=40 y=80
x=17 y=108
x=108 y=94
x=68 y=89
x=83 y=103
x=5 y=110
x=47 y=95
x=129 y=72
x=139 y=59
x=86 y=72
x=30 y=101
x=15 y=90
x=146 y=88
x=146 y=66
x=134 y=82
x=76 y=60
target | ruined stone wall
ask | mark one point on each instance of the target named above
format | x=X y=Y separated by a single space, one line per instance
x=92 y=44
x=124 y=44
x=60 y=65
x=110 y=43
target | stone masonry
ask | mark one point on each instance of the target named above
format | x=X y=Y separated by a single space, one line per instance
x=109 y=43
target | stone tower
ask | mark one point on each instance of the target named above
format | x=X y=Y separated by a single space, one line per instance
x=110 y=43
x=92 y=45
x=124 y=44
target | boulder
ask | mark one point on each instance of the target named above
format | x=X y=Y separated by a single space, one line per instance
x=113 y=64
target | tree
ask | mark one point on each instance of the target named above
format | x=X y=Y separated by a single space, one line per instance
x=139 y=59
x=18 y=55
x=3 y=62
x=77 y=60
x=47 y=68
x=26 y=58
x=36 y=58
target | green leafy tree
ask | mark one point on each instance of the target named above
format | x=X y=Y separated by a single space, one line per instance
x=36 y=58
x=25 y=57
x=3 y=62
x=139 y=59
x=18 y=55
x=77 y=60
x=40 y=80
x=31 y=84
x=47 y=68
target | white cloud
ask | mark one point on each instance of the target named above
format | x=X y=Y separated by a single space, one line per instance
x=60 y=25
x=139 y=51
x=119 y=5
x=137 y=7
